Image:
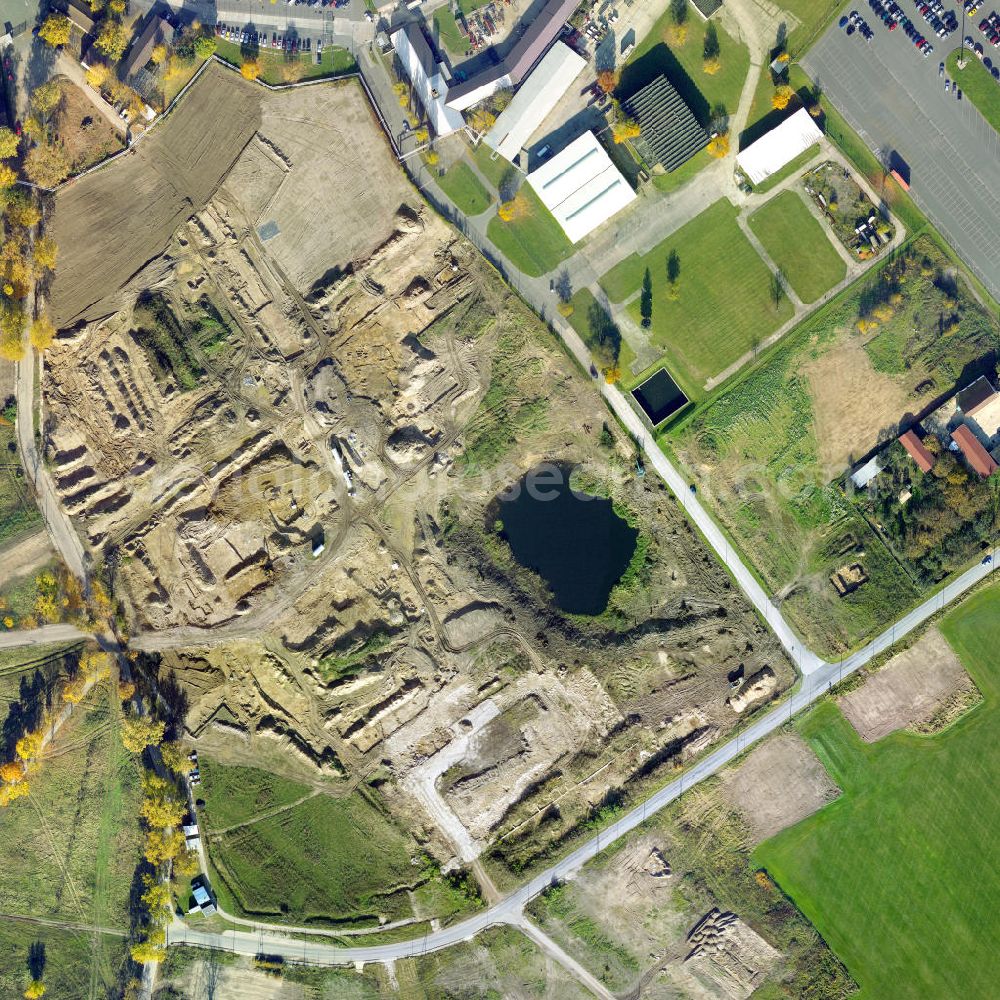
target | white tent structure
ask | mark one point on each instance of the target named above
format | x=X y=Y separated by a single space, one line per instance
x=779 y=146
x=424 y=73
x=581 y=187
x=535 y=100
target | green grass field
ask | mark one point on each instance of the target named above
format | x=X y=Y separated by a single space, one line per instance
x=770 y=445
x=235 y=794
x=898 y=873
x=683 y=66
x=70 y=970
x=69 y=849
x=798 y=244
x=977 y=86
x=724 y=303
x=533 y=242
x=326 y=859
x=279 y=67
x=464 y=188
x=679 y=177
x=18 y=513
x=447 y=34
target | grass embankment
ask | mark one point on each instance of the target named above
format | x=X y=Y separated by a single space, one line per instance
x=69 y=849
x=723 y=304
x=18 y=513
x=977 y=85
x=532 y=241
x=325 y=860
x=799 y=245
x=897 y=873
x=460 y=183
x=277 y=67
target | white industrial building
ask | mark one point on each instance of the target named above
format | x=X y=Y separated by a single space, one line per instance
x=779 y=146
x=581 y=187
x=535 y=100
x=425 y=73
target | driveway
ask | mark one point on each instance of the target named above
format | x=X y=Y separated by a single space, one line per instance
x=895 y=99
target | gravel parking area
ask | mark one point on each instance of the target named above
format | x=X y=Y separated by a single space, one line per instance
x=894 y=98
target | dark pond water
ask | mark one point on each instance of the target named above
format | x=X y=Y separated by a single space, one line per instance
x=575 y=542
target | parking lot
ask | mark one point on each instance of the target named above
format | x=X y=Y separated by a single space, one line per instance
x=895 y=99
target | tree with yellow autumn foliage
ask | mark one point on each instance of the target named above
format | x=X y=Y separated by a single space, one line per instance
x=145 y=952
x=175 y=757
x=55 y=30
x=29 y=746
x=35 y=990
x=250 y=69
x=137 y=734
x=781 y=97
x=45 y=252
x=162 y=806
x=97 y=74
x=719 y=147
x=162 y=845
x=625 y=129
x=13 y=772
x=42 y=333
x=10 y=793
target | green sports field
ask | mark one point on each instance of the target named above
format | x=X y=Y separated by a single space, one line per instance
x=899 y=874
x=798 y=244
x=723 y=305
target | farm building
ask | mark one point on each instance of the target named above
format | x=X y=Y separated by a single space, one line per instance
x=671 y=134
x=80 y=16
x=203 y=901
x=581 y=187
x=157 y=31
x=917 y=451
x=521 y=59
x=535 y=99
x=980 y=403
x=864 y=474
x=979 y=459
x=779 y=146
x=425 y=73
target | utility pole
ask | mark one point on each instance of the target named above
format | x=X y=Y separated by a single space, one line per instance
x=961 y=51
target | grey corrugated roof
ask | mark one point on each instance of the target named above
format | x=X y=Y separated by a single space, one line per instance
x=670 y=132
x=527 y=50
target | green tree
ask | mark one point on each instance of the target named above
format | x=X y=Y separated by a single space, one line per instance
x=679 y=11
x=673 y=272
x=646 y=299
x=204 y=46
x=711 y=48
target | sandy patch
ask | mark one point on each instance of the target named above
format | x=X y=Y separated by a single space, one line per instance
x=851 y=403
x=24 y=557
x=779 y=784
x=913 y=689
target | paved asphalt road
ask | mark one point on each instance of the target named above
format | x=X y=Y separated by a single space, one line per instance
x=895 y=99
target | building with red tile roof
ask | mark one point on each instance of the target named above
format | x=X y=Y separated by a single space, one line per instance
x=917 y=450
x=975 y=454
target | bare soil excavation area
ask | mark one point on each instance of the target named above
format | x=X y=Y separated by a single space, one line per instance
x=922 y=688
x=281 y=407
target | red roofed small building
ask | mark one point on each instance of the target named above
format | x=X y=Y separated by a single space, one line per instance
x=917 y=450
x=975 y=454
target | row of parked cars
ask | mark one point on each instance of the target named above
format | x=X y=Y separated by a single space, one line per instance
x=942 y=22
x=247 y=36
x=990 y=27
x=893 y=17
x=855 y=22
